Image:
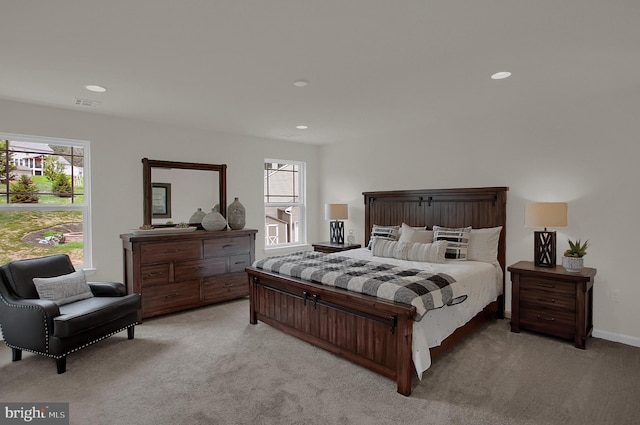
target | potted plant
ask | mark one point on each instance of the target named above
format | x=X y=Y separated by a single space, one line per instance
x=572 y=259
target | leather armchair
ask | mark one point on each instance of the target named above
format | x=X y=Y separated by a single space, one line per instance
x=44 y=327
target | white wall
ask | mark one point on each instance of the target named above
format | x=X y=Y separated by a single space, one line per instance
x=582 y=151
x=117 y=147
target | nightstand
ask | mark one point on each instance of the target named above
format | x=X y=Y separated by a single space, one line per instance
x=552 y=301
x=329 y=247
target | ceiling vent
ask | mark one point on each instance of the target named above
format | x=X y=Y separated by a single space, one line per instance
x=87 y=102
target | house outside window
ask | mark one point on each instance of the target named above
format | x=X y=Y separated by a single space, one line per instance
x=44 y=198
x=284 y=203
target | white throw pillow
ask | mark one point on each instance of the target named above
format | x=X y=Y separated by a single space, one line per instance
x=411 y=251
x=483 y=245
x=412 y=234
x=63 y=289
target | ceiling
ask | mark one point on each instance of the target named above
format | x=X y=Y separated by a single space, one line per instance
x=373 y=66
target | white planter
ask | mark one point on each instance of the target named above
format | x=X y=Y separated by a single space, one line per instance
x=573 y=264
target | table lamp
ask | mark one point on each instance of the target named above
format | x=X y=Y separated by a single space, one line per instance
x=336 y=213
x=545 y=214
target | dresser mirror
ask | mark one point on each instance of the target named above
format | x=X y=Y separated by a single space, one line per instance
x=173 y=191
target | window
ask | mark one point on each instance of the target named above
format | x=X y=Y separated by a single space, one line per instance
x=284 y=203
x=44 y=198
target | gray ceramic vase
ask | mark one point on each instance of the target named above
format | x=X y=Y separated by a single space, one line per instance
x=197 y=216
x=236 y=215
x=214 y=221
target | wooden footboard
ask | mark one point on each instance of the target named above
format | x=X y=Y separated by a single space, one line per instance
x=373 y=333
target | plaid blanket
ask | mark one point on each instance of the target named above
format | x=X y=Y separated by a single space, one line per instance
x=426 y=291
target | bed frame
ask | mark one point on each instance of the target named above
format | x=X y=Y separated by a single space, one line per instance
x=371 y=332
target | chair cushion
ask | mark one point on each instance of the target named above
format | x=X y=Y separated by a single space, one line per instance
x=84 y=315
x=63 y=289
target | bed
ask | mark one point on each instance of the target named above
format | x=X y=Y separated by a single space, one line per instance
x=374 y=332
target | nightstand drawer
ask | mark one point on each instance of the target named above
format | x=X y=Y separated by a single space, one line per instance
x=547 y=285
x=542 y=299
x=551 y=322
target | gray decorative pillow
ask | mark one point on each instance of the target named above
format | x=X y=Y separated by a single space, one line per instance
x=458 y=239
x=412 y=251
x=63 y=289
x=385 y=232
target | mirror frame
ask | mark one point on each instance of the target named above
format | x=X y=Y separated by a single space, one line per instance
x=148 y=164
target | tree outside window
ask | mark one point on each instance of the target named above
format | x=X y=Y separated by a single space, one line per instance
x=44 y=199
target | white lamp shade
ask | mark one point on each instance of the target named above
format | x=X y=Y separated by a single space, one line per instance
x=545 y=214
x=336 y=211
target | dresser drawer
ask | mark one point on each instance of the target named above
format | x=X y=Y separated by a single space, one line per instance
x=155 y=274
x=237 y=263
x=547 y=285
x=551 y=322
x=170 y=251
x=170 y=297
x=196 y=269
x=544 y=299
x=227 y=287
x=227 y=246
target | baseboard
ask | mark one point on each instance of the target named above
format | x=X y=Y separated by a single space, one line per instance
x=610 y=336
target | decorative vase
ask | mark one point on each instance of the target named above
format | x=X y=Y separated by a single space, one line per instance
x=236 y=215
x=197 y=216
x=214 y=221
x=573 y=264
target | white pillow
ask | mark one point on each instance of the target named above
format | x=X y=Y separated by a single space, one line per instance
x=483 y=245
x=63 y=289
x=458 y=239
x=411 y=251
x=412 y=234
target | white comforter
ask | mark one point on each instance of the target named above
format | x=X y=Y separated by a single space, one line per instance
x=481 y=282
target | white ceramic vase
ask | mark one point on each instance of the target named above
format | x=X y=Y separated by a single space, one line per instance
x=573 y=264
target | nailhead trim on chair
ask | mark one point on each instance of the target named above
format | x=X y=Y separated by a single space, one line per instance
x=46 y=334
x=75 y=349
x=44 y=317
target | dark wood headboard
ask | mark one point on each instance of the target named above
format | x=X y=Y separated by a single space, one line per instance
x=477 y=207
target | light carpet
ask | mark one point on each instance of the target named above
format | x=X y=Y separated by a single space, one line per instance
x=210 y=366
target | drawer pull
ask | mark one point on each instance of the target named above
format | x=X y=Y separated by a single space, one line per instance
x=552 y=300
x=548 y=319
x=171 y=295
x=169 y=251
x=200 y=268
x=227 y=246
x=241 y=262
x=228 y=285
x=546 y=285
x=152 y=274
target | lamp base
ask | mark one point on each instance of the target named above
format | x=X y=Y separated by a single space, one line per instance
x=544 y=248
x=336 y=231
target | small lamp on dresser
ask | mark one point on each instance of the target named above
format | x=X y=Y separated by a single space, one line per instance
x=336 y=213
x=545 y=214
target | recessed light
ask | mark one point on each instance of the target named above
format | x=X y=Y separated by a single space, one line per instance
x=301 y=83
x=302 y=127
x=501 y=75
x=95 y=88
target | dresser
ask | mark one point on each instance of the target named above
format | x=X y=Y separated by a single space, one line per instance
x=552 y=301
x=178 y=271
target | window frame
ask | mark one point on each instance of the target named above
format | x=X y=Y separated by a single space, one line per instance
x=301 y=204
x=85 y=206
